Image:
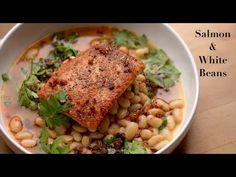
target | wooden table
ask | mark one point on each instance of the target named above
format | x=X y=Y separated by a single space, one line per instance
x=214 y=127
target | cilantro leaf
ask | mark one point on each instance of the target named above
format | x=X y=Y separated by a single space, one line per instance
x=159 y=69
x=56 y=147
x=163 y=125
x=127 y=39
x=5 y=77
x=134 y=147
x=51 y=110
x=72 y=38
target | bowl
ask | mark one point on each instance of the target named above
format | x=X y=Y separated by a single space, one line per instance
x=22 y=35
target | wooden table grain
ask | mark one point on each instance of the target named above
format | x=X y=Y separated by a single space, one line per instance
x=214 y=126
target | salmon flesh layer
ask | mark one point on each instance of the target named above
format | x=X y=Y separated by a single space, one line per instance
x=93 y=81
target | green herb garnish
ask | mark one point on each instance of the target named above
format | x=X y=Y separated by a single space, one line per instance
x=51 y=110
x=130 y=40
x=159 y=69
x=134 y=147
x=56 y=147
x=110 y=140
x=72 y=38
x=163 y=125
x=5 y=77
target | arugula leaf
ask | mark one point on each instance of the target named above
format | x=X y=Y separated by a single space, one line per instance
x=163 y=125
x=5 y=77
x=159 y=69
x=51 y=110
x=72 y=38
x=127 y=39
x=134 y=147
x=56 y=147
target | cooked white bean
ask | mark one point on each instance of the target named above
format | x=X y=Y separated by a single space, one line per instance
x=135 y=99
x=39 y=122
x=131 y=130
x=144 y=98
x=28 y=143
x=142 y=121
x=92 y=129
x=178 y=115
x=143 y=87
x=114 y=108
x=154 y=131
x=176 y=104
x=124 y=49
x=154 y=121
x=23 y=135
x=123 y=122
x=16 y=124
x=94 y=42
x=154 y=140
x=124 y=102
x=129 y=94
x=141 y=51
x=96 y=135
x=67 y=139
x=79 y=128
x=141 y=77
x=122 y=113
x=166 y=134
x=103 y=127
x=162 y=104
x=156 y=112
x=77 y=136
x=146 y=134
x=138 y=139
x=85 y=141
x=60 y=130
x=160 y=145
x=121 y=130
x=135 y=107
x=171 y=122
x=74 y=145
x=114 y=128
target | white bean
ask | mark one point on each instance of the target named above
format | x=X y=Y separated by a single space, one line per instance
x=160 y=145
x=131 y=130
x=122 y=113
x=79 y=128
x=23 y=135
x=142 y=121
x=92 y=129
x=135 y=99
x=124 y=102
x=144 y=98
x=178 y=115
x=67 y=139
x=74 y=145
x=96 y=135
x=28 y=143
x=146 y=134
x=31 y=54
x=124 y=49
x=114 y=108
x=123 y=122
x=103 y=127
x=77 y=136
x=141 y=77
x=176 y=104
x=114 y=128
x=135 y=107
x=39 y=122
x=60 y=130
x=166 y=134
x=171 y=122
x=154 y=140
x=16 y=124
x=141 y=51
x=156 y=112
x=85 y=141
x=162 y=104
x=154 y=121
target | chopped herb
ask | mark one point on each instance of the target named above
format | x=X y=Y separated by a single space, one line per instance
x=134 y=147
x=56 y=147
x=5 y=77
x=130 y=40
x=159 y=69
x=72 y=38
x=57 y=35
x=110 y=140
x=6 y=100
x=61 y=52
x=51 y=110
x=163 y=125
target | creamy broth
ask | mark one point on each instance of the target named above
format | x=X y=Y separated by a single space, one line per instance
x=19 y=70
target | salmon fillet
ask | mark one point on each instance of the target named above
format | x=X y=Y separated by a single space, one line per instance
x=93 y=81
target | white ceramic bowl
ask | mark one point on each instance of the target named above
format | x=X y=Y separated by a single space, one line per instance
x=22 y=35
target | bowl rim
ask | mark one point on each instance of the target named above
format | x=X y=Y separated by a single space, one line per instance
x=180 y=134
